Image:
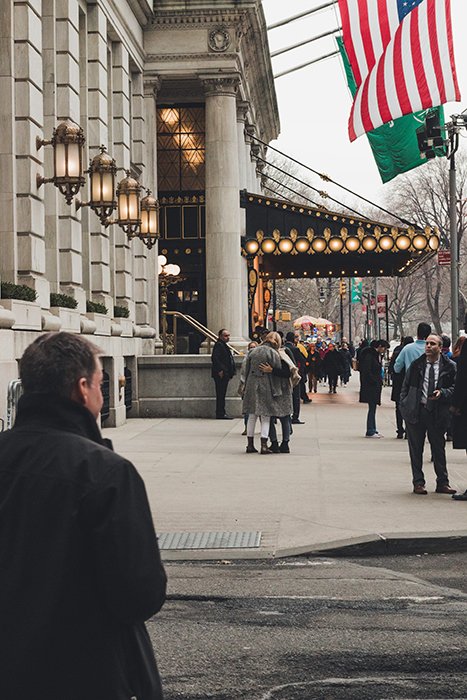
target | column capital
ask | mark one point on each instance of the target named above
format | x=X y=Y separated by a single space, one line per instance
x=220 y=84
x=152 y=85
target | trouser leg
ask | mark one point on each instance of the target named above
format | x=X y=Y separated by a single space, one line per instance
x=285 y=423
x=438 y=450
x=272 y=430
x=416 y=438
x=399 y=420
x=296 y=402
x=250 y=426
x=371 y=419
x=221 y=390
x=265 y=424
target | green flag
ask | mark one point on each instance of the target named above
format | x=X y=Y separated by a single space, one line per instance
x=394 y=145
x=356 y=290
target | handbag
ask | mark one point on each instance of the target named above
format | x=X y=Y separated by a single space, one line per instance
x=355 y=364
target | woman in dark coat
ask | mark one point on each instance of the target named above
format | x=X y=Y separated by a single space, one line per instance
x=371 y=382
x=346 y=356
x=332 y=364
x=397 y=379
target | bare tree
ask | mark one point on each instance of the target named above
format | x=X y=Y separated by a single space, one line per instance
x=423 y=196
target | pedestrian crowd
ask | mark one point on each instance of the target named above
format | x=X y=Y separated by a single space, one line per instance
x=428 y=388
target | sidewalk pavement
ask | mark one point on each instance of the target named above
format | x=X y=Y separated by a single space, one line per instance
x=336 y=493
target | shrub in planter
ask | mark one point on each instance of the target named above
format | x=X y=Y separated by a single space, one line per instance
x=8 y=290
x=63 y=300
x=121 y=312
x=95 y=307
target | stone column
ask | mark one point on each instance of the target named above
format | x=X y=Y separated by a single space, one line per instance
x=98 y=133
x=151 y=88
x=8 y=258
x=68 y=107
x=29 y=122
x=121 y=153
x=223 y=256
x=242 y=110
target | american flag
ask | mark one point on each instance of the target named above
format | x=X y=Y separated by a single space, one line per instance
x=401 y=53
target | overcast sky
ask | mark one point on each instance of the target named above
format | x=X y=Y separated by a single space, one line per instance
x=314 y=103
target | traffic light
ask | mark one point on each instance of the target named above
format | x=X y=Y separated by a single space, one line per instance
x=342 y=288
x=429 y=135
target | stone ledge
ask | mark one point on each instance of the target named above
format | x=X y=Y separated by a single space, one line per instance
x=28 y=314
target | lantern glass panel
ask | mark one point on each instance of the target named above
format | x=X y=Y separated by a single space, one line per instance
x=73 y=160
x=123 y=208
x=133 y=206
x=60 y=160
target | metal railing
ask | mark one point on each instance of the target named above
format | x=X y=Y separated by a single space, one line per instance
x=15 y=389
x=169 y=340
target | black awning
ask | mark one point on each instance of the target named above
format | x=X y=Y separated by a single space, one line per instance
x=293 y=240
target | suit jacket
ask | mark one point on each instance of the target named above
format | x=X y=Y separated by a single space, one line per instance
x=411 y=393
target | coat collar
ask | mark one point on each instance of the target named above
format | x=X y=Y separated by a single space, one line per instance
x=59 y=413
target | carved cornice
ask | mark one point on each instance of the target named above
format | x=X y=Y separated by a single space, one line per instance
x=220 y=84
x=171 y=58
x=204 y=18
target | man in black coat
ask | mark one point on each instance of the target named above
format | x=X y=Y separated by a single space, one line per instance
x=223 y=369
x=79 y=561
x=296 y=356
x=424 y=403
x=371 y=382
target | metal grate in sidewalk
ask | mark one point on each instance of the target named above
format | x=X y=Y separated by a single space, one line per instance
x=209 y=540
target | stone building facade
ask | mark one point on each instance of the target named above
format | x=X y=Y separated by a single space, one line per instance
x=186 y=84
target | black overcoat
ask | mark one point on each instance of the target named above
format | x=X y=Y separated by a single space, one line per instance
x=371 y=380
x=80 y=569
x=459 y=402
x=222 y=360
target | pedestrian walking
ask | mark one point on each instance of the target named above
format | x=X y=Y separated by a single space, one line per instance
x=314 y=367
x=371 y=382
x=223 y=369
x=397 y=379
x=333 y=367
x=346 y=357
x=424 y=403
x=262 y=390
x=79 y=560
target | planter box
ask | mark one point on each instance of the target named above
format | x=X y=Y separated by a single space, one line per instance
x=27 y=314
x=70 y=318
x=102 y=321
x=126 y=325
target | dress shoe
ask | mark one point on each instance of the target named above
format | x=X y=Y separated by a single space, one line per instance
x=306 y=400
x=400 y=436
x=296 y=421
x=226 y=417
x=445 y=488
x=244 y=432
x=420 y=490
x=274 y=447
x=284 y=448
x=460 y=496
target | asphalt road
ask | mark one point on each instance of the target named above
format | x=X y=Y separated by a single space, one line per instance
x=306 y=629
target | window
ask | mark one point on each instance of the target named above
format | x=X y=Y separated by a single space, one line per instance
x=181 y=149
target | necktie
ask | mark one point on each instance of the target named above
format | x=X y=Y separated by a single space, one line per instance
x=431 y=387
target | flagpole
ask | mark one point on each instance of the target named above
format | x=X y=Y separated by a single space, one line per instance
x=454 y=249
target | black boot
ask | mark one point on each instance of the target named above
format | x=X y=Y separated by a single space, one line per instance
x=251 y=446
x=274 y=447
x=264 y=447
x=284 y=448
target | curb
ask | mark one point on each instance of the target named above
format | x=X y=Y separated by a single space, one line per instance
x=369 y=546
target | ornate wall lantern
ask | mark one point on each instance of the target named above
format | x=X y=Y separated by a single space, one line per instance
x=102 y=171
x=128 y=204
x=149 y=226
x=67 y=141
